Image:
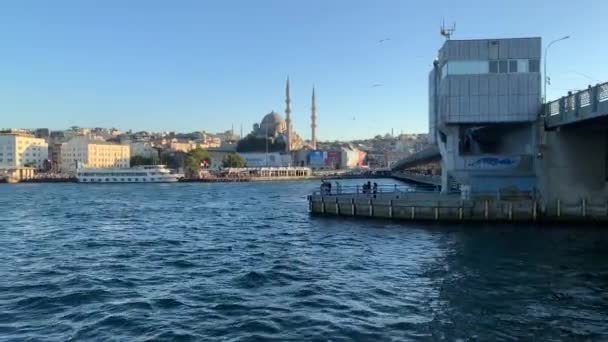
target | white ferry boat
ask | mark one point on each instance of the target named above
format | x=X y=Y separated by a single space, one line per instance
x=137 y=174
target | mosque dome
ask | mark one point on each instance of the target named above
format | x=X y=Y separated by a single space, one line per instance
x=272 y=124
x=272 y=118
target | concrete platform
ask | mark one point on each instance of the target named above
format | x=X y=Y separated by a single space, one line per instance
x=439 y=207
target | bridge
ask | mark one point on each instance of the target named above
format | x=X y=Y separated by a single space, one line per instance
x=586 y=106
x=423 y=167
x=428 y=155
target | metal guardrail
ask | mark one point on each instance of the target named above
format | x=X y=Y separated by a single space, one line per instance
x=338 y=189
x=584 y=104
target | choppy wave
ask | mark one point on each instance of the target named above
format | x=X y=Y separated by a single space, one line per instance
x=193 y=262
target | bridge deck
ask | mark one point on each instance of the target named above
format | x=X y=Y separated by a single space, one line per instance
x=425 y=156
x=588 y=104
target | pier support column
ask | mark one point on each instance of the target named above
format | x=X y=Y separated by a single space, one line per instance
x=322 y=205
x=371 y=209
x=461 y=211
x=559 y=207
x=486 y=209
x=390 y=208
x=353 y=208
x=337 y=207
x=584 y=207
x=413 y=213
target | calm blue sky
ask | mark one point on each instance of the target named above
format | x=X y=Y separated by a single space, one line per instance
x=205 y=65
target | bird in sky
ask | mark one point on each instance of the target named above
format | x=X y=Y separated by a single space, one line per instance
x=383 y=40
x=376 y=85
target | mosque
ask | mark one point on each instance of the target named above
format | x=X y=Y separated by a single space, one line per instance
x=274 y=126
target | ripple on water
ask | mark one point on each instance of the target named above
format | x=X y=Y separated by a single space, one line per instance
x=252 y=280
x=197 y=262
x=167 y=303
x=180 y=264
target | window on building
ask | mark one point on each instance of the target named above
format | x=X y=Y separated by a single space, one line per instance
x=534 y=65
x=502 y=67
x=513 y=66
x=467 y=67
x=493 y=67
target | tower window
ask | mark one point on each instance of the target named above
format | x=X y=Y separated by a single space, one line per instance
x=502 y=67
x=534 y=65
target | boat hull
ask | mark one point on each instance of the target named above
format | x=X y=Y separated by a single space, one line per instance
x=141 y=174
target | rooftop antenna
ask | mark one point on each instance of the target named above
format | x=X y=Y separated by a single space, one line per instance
x=447 y=32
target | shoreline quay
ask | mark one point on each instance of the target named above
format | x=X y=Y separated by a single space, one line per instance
x=215 y=180
x=433 y=206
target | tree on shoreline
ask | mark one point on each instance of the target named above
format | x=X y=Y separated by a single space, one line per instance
x=195 y=160
x=234 y=160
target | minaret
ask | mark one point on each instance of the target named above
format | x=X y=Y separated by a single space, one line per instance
x=288 y=116
x=313 y=120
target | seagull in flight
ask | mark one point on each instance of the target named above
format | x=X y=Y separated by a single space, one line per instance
x=377 y=85
x=383 y=40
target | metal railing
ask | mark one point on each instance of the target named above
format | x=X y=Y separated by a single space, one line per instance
x=579 y=104
x=338 y=189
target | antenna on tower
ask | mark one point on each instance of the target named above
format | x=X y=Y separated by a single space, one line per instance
x=447 y=32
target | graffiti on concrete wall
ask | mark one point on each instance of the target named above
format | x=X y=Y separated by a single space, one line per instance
x=493 y=163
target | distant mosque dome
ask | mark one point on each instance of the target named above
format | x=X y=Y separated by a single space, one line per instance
x=272 y=118
x=280 y=129
x=273 y=123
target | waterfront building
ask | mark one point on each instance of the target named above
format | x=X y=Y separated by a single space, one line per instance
x=93 y=153
x=143 y=149
x=19 y=149
x=351 y=158
x=484 y=105
x=181 y=145
x=317 y=159
x=42 y=133
x=55 y=155
x=272 y=159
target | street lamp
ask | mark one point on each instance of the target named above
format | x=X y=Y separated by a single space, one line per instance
x=545 y=66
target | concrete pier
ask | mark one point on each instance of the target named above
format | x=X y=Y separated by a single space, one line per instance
x=420 y=206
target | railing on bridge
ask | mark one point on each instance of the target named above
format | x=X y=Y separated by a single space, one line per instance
x=585 y=104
